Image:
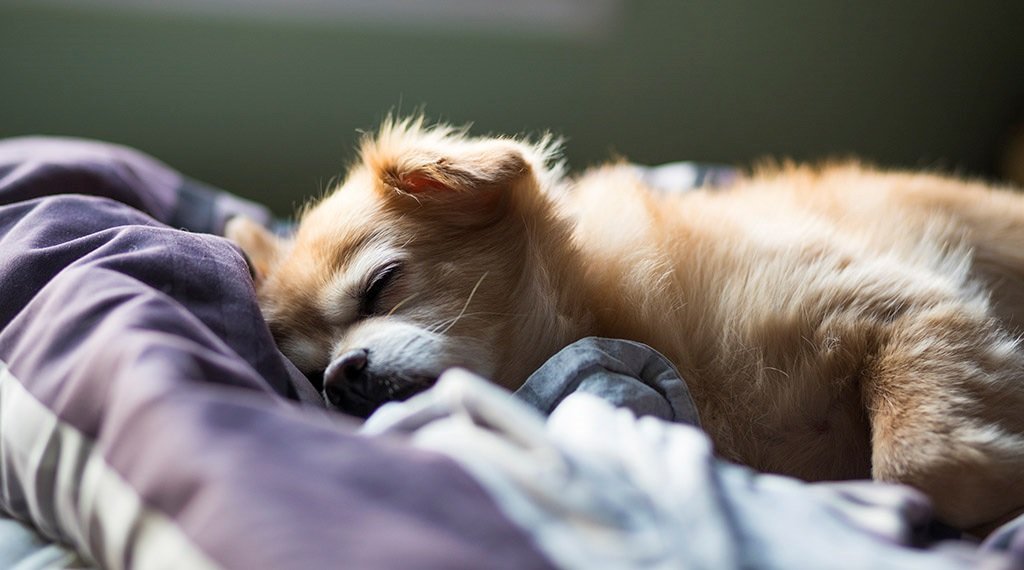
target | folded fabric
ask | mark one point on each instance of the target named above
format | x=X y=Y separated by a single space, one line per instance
x=597 y=487
x=624 y=373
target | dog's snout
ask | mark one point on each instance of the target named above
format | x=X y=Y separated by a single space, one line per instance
x=356 y=385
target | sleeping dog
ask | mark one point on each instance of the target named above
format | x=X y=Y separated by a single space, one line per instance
x=831 y=323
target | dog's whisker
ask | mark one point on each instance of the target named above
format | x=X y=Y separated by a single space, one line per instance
x=494 y=314
x=400 y=303
x=479 y=314
x=464 y=307
x=433 y=328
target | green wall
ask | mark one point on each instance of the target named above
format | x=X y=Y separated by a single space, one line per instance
x=271 y=110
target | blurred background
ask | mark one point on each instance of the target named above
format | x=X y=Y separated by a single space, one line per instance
x=266 y=97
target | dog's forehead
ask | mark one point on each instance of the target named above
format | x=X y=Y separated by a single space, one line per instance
x=341 y=225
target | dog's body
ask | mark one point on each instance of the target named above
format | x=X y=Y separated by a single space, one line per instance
x=832 y=323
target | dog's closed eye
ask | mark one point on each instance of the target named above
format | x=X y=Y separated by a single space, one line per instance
x=380 y=280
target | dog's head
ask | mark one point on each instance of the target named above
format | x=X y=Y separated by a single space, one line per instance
x=424 y=258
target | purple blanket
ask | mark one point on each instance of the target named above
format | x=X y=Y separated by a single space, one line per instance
x=146 y=417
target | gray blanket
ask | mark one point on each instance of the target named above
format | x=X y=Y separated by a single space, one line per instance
x=624 y=373
x=770 y=522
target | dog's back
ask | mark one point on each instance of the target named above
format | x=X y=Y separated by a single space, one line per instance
x=831 y=323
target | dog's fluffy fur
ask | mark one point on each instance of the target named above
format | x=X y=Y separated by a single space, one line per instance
x=831 y=323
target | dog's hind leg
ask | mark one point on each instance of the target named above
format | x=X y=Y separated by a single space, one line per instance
x=945 y=397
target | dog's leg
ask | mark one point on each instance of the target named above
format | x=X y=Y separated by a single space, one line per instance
x=945 y=397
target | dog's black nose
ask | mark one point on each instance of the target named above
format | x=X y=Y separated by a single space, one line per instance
x=354 y=384
x=346 y=372
x=348 y=366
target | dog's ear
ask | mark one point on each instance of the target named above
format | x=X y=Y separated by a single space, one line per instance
x=442 y=165
x=476 y=166
x=441 y=171
x=261 y=247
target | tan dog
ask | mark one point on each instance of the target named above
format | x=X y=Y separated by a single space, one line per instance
x=831 y=324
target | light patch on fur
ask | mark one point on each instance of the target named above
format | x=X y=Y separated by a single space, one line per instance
x=992 y=438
